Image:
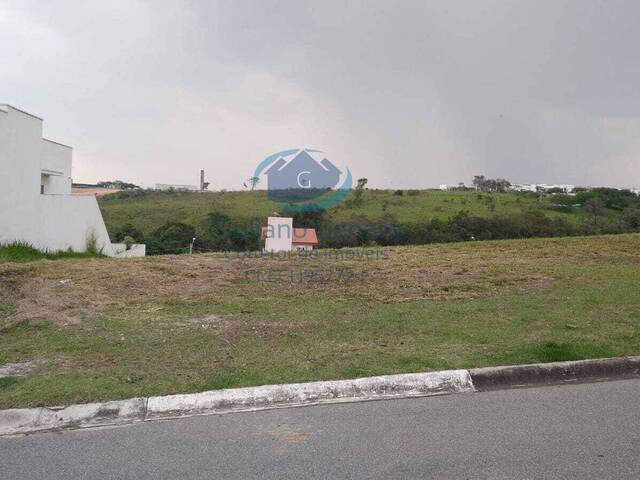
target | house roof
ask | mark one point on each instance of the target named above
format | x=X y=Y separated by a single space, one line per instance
x=305 y=236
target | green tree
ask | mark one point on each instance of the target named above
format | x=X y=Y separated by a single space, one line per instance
x=632 y=218
x=359 y=190
x=594 y=207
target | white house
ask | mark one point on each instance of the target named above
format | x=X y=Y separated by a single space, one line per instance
x=36 y=204
x=280 y=236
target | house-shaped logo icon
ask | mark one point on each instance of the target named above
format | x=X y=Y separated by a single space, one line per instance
x=302 y=178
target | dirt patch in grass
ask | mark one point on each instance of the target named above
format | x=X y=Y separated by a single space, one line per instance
x=229 y=329
x=15 y=369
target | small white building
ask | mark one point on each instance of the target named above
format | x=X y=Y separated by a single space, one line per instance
x=167 y=187
x=535 y=187
x=281 y=236
x=36 y=204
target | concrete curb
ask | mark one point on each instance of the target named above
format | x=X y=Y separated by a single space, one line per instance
x=296 y=394
x=30 y=420
x=520 y=376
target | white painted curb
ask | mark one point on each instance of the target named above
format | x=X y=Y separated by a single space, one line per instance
x=30 y=420
x=26 y=420
x=296 y=394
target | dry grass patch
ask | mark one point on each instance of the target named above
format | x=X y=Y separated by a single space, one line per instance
x=77 y=291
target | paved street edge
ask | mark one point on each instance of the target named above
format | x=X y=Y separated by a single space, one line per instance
x=30 y=420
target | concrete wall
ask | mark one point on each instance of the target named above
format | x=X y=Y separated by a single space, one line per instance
x=56 y=220
x=136 y=250
x=69 y=222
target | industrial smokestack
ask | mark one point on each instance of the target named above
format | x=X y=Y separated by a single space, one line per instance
x=203 y=185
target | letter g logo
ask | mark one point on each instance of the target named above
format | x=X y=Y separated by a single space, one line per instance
x=302 y=182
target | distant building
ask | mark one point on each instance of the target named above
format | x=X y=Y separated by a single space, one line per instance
x=89 y=189
x=164 y=187
x=281 y=236
x=536 y=187
x=36 y=203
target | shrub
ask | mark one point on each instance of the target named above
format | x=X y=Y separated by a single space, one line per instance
x=631 y=218
x=128 y=230
x=92 y=244
x=224 y=235
x=172 y=237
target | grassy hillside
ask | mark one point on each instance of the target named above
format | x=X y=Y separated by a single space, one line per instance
x=95 y=329
x=154 y=209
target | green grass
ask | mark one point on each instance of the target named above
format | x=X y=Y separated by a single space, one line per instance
x=157 y=208
x=22 y=252
x=448 y=306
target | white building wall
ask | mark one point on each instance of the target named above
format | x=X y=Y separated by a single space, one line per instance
x=69 y=222
x=279 y=234
x=55 y=166
x=54 y=221
x=19 y=173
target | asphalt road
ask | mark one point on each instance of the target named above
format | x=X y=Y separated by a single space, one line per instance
x=588 y=431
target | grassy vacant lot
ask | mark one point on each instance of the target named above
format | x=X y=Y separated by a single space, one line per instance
x=103 y=329
x=157 y=208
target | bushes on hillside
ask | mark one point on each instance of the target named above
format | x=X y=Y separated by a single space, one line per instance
x=610 y=197
x=125 y=195
x=631 y=218
x=128 y=230
x=171 y=237
x=223 y=234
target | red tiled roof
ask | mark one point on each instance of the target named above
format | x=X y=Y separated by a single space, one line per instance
x=305 y=236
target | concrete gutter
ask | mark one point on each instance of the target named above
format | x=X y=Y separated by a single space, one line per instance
x=30 y=420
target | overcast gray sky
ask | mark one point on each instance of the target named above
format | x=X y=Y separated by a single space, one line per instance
x=406 y=93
